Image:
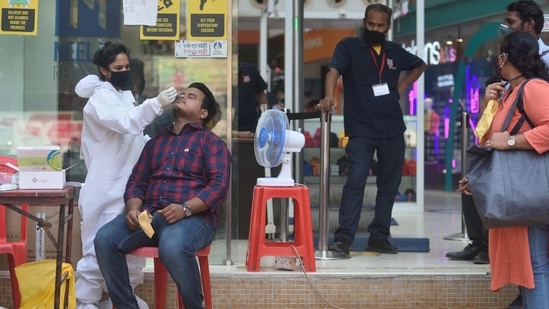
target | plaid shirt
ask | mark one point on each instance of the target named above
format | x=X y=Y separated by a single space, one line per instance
x=173 y=168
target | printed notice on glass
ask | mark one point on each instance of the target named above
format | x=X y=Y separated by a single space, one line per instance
x=19 y=17
x=140 y=12
x=206 y=20
x=198 y=49
x=166 y=26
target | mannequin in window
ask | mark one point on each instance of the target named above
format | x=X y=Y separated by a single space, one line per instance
x=431 y=127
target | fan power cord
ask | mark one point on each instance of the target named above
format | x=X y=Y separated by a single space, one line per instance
x=310 y=281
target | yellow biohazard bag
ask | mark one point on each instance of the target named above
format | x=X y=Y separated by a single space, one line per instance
x=37 y=284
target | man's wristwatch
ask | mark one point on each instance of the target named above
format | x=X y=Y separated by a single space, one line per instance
x=187 y=210
x=512 y=142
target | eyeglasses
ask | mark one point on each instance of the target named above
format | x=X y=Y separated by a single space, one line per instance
x=502 y=57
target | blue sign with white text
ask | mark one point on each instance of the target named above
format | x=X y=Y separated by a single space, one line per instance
x=88 y=18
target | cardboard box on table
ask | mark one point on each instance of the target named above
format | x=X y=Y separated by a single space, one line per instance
x=39 y=246
x=40 y=167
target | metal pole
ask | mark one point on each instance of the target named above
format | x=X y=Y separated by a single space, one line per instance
x=420 y=114
x=290 y=91
x=263 y=44
x=298 y=80
x=464 y=146
x=229 y=201
x=389 y=3
x=323 y=253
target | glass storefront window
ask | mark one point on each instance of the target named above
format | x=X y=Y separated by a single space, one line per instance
x=40 y=70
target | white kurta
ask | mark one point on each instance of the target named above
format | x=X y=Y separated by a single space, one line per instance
x=544 y=52
x=112 y=140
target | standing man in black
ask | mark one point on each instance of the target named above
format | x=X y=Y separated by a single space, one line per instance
x=373 y=121
x=251 y=95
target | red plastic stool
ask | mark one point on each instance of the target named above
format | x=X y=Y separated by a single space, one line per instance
x=161 y=277
x=16 y=251
x=303 y=229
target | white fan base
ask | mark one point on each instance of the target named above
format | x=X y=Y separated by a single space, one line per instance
x=275 y=182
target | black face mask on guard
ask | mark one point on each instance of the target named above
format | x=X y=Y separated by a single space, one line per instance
x=374 y=37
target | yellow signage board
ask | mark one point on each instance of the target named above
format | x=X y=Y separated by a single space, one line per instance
x=207 y=20
x=19 y=17
x=167 y=22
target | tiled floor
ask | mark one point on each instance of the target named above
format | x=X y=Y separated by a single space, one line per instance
x=404 y=280
x=441 y=218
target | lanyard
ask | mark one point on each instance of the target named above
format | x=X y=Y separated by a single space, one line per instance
x=383 y=58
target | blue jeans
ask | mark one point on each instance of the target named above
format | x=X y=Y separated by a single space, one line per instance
x=390 y=156
x=538 y=297
x=176 y=243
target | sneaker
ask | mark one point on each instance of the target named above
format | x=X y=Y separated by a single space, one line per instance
x=481 y=258
x=107 y=304
x=381 y=246
x=467 y=254
x=339 y=250
x=80 y=305
x=516 y=304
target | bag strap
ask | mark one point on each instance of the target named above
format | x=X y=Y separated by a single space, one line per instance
x=517 y=104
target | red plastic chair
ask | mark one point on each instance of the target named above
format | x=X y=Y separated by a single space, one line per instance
x=16 y=250
x=161 y=277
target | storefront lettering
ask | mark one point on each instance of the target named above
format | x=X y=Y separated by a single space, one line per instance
x=433 y=52
x=78 y=51
x=446 y=80
x=472 y=85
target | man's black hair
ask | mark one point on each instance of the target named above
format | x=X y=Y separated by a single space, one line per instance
x=208 y=103
x=380 y=8
x=528 y=10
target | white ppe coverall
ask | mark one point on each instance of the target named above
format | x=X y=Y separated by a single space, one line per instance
x=112 y=140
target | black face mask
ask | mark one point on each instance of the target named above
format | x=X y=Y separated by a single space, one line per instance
x=374 y=37
x=120 y=78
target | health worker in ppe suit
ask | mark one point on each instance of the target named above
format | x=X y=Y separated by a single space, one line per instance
x=112 y=140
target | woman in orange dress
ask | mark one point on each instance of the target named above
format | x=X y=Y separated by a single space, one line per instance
x=519 y=255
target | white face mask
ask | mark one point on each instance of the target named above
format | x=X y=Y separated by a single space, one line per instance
x=504 y=30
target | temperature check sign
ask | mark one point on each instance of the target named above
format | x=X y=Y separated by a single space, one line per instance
x=207 y=19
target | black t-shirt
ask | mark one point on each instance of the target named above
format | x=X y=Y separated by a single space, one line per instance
x=250 y=83
x=364 y=113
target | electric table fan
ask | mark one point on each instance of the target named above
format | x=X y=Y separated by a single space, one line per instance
x=274 y=143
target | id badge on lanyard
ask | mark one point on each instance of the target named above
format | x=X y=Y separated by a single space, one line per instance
x=381 y=88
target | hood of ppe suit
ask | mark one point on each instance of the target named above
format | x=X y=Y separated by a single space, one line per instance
x=89 y=84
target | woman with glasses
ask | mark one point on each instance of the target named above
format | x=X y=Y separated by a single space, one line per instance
x=519 y=255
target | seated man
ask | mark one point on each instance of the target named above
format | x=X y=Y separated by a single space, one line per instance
x=181 y=177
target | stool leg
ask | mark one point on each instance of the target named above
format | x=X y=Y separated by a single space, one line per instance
x=16 y=295
x=304 y=232
x=251 y=232
x=206 y=284
x=160 y=284
x=256 y=237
